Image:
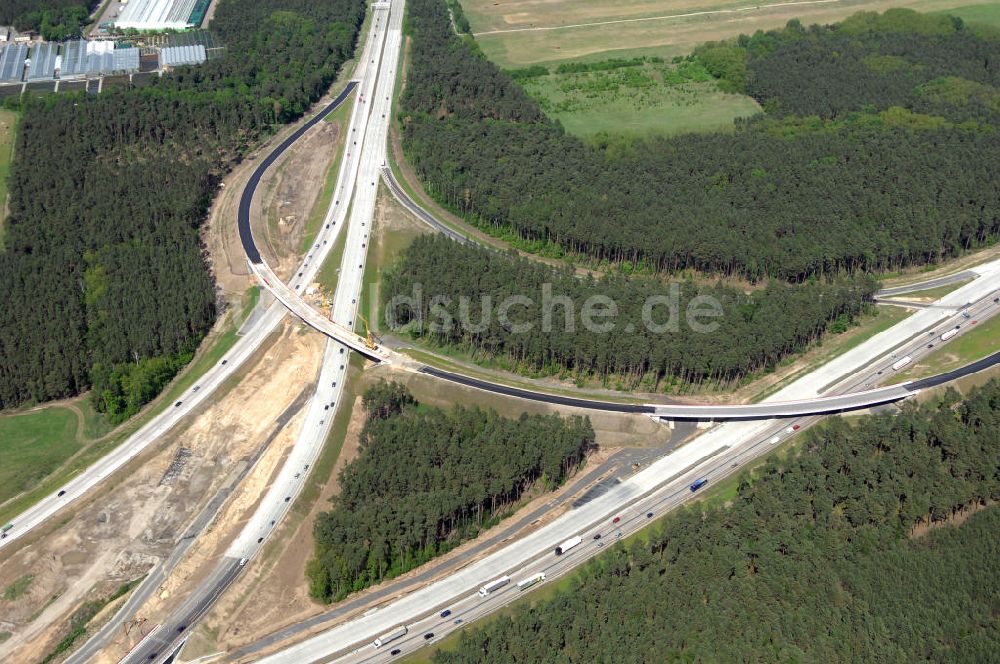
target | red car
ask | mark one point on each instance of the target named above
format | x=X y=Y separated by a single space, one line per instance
x=616 y=519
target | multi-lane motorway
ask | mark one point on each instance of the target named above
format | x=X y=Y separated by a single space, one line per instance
x=846 y=383
x=354 y=192
x=655 y=489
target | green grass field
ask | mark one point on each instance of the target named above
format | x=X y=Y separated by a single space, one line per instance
x=653 y=98
x=8 y=132
x=987 y=14
x=33 y=445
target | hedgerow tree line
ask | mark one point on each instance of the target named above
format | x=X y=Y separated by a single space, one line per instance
x=820 y=557
x=426 y=479
x=105 y=279
x=461 y=289
x=891 y=163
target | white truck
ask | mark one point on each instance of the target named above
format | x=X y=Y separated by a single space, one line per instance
x=524 y=584
x=568 y=544
x=902 y=362
x=397 y=633
x=495 y=584
x=949 y=334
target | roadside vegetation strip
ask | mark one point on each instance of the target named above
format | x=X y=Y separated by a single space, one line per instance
x=974 y=344
x=448 y=360
x=340 y=116
x=209 y=354
x=81 y=618
x=870 y=511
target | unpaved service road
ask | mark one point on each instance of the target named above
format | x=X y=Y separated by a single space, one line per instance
x=130 y=526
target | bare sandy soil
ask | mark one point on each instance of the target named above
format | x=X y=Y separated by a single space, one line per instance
x=128 y=527
x=274 y=592
x=288 y=192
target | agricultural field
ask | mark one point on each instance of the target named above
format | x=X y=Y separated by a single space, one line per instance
x=653 y=97
x=515 y=33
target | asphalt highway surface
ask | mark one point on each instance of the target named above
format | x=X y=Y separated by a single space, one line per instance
x=660 y=486
x=355 y=186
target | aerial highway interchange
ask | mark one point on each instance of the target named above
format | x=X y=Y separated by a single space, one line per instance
x=852 y=381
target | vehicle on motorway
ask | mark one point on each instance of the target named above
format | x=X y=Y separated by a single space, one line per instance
x=446 y=613
x=428 y=636
x=793 y=428
x=493 y=585
x=396 y=633
x=775 y=440
x=243 y=561
x=5 y=530
x=649 y=515
x=597 y=536
x=524 y=584
x=62 y=492
x=949 y=334
x=966 y=314
x=900 y=363
x=616 y=519
x=697 y=484
x=178 y=404
x=568 y=544
x=395 y=651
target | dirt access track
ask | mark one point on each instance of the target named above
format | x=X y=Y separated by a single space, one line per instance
x=133 y=523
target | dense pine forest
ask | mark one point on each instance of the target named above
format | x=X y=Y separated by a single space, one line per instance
x=54 y=19
x=824 y=556
x=104 y=275
x=755 y=331
x=426 y=479
x=880 y=150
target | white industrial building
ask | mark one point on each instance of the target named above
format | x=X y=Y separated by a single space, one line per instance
x=156 y=14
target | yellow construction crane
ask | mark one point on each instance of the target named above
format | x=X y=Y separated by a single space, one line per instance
x=371 y=340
